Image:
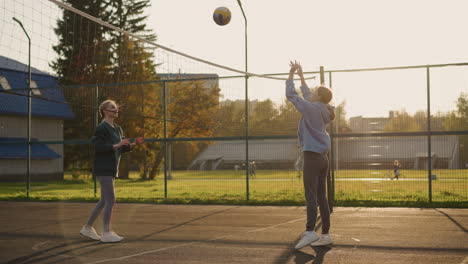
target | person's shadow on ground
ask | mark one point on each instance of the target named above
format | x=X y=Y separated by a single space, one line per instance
x=302 y=257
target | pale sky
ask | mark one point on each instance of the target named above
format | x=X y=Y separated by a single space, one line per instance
x=335 y=34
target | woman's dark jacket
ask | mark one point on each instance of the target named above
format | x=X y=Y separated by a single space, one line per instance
x=106 y=158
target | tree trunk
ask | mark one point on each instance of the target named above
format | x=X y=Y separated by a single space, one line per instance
x=155 y=168
x=124 y=169
x=144 y=173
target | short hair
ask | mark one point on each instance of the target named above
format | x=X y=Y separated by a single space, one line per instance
x=324 y=93
x=104 y=105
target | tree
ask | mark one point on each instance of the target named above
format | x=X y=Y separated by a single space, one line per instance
x=404 y=122
x=190 y=109
x=340 y=123
x=262 y=119
x=458 y=121
x=288 y=118
x=89 y=53
x=83 y=49
x=83 y=58
x=230 y=119
x=462 y=110
x=135 y=65
x=132 y=62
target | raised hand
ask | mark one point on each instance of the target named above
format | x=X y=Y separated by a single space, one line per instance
x=293 y=66
x=299 y=69
x=292 y=70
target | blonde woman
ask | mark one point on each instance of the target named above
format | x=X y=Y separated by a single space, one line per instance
x=110 y=143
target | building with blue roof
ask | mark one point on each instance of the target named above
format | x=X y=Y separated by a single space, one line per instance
x=49 y=110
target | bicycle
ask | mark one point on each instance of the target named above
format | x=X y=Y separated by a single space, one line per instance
x=391 y=175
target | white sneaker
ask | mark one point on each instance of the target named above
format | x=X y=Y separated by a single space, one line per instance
x=323 y=241
x=307 y=238
x=110 y=237
x=90 y=232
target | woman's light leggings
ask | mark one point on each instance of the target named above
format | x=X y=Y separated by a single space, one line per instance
x=107 y=202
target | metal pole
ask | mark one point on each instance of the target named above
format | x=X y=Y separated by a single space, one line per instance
x=246 y=107
x=28 y=166
x=329 y=182
x=169 y=144
x=331 y=195
x=322 y=76
x=165 y=138
x=429 y=146
x=96 y=123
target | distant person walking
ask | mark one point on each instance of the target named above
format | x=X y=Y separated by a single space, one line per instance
x=396 y=169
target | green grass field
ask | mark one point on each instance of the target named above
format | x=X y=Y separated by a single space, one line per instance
x=266 y=188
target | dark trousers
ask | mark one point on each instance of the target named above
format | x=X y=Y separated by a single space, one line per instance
x=315 y=178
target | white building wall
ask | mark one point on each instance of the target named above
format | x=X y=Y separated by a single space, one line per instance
x=42 y=129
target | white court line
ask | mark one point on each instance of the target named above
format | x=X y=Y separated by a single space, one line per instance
x=186 y=244
x=37 y=246
x=142 y=253
x=260 y=229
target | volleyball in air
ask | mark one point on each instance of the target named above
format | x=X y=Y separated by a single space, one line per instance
x=222 y=16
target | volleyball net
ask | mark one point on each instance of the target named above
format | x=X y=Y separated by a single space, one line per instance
x=204 y=124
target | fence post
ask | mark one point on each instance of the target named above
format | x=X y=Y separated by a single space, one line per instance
x=28 y=132
x=96 y=122
x=329 y=182
x=429 y=146
x=165 y=137
x=331 y=189
x=28 y=158
x=247 y=165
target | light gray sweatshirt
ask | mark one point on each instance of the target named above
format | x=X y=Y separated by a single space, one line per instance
x=315 y=116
